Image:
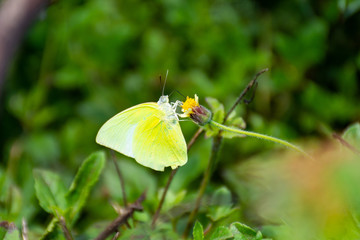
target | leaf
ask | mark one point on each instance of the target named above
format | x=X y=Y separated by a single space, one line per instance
x=85 y=179
x=221 y=204
x=210 y=131
x=222 y=196
x=215 y=213
x=221 y=233
x=50 y=191
x=348 y=7
x=12 y=235
x=243 y=230
x=352 y=135
x=198 y=232
x=216 y=108
x=8 y=231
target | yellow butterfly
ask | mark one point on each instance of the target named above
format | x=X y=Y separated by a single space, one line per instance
x=149 y=132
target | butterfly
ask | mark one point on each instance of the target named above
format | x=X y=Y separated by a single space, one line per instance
x=149 y=132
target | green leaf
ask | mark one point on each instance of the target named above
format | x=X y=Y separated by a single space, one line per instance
x=221 y=233
x=258 y=236
x=8 y=231
x=216 y=108
x=221 y=204
x=222 y=196
x=198 y=232
x=85 y=179
x=215 y=213
x=13 y=235
x=352 y=135
x=50 y=191
x=243 y=230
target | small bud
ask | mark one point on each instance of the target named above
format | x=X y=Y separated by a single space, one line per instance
x=200 y=115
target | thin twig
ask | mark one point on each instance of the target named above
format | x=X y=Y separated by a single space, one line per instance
x=65 y=229
x=243 y=93
x=24 y=231
x=345 y=143
x=121 y=178
x=116 y=236
x=128 y=212
x=172 y=174
x=214 y=154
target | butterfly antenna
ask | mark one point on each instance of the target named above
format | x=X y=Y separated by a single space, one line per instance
x=163 y=90
x=181 y=94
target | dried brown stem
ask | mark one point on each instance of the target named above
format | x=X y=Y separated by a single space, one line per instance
x=65 y=229
x=172 y=174
x=128 y=212
x=243 y=93
x=116 y=236
x=345 y=143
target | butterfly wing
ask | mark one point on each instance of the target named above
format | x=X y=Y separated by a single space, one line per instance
x=118 y=132
x=159 y=143
x=142 y=133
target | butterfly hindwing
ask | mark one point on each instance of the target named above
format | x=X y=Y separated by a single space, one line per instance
x=159 y=143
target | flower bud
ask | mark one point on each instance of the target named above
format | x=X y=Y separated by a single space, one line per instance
x=200 y=115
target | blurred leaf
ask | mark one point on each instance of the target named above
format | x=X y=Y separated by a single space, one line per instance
x=50 y=191
x=172 y=198
x=221 y=197
x=236 y=122
x=221 y=233
x=216 y=108
x=244 y=230
x=85 y=179
x=352 y=135
x=215 y=213
x=43 y=147
x=218 y=114
x=349 y=7
x=198 y=232
x=8 y=231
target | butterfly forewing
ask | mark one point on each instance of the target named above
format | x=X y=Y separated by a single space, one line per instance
x=118 y=132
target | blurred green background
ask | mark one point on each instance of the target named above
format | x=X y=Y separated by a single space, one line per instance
x=84 y=61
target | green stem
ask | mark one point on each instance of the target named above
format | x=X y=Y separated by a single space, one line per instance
x=207 y=174
x=258 y=135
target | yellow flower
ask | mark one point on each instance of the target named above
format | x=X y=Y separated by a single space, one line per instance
x=188 y=105
x=198 y=113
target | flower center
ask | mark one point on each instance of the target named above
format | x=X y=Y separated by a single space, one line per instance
x=189 y=104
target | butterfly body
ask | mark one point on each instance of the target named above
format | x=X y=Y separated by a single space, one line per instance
x=149 y=132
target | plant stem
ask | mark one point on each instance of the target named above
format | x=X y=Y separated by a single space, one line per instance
x=172 y=174
x=128 y=212
x=243 y=93
x=345 y=143
x=65 y=229
x=257 y=135
x=121 y=178
x=214 y=153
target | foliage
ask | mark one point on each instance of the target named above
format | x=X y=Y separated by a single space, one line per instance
x=84 y=61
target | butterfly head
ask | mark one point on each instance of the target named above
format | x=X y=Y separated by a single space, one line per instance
x=163 y=99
